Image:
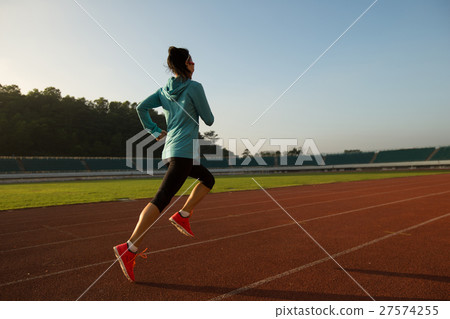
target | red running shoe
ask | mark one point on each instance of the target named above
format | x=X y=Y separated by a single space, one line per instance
x=127 y=259
x=182 y=224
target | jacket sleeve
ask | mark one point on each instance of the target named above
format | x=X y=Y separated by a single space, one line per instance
x=142 y=109
x=201 y=104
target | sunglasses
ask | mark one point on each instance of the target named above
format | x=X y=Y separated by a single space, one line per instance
x=189 y=61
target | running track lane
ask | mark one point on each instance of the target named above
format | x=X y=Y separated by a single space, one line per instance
x=258 y=242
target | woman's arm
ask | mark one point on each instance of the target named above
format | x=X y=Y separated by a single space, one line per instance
x=142 y=109
x=201 y=104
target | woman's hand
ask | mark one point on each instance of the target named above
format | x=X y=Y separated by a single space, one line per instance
x=161 y=135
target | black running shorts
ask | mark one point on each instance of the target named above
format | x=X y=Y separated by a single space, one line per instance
x=178 y=170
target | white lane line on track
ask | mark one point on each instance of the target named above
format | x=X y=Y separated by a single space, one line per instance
x=204 y=242
x=152 y=252
x=319 y=261
x=315 y=241
x=72 y=225
x=61 y=231
x=247 y=214
x=234 y=292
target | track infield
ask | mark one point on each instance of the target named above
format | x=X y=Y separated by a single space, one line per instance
x=390 y=237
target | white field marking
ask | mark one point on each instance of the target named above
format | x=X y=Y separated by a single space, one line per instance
x=161 y=215
x=63 y=242
x=315 y=61
x=69 y=225
x=315 y=203
x=342 y=253
x=243 y=215
x=243 y=204
x=378 y=205
x=316 y=242
x=135 y=217
x=354 y=188
x=327 y=194
x=62 y=231
x=178 y=247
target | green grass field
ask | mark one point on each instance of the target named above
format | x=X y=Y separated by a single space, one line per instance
x=15 y=196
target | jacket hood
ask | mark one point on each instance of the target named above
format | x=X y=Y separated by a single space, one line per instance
x=174 y=87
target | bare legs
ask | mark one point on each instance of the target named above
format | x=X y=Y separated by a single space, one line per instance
x=148 y=216
x=196 y=196
x=151 y=213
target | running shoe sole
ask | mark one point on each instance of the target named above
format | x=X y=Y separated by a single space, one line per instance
x=180 y=228
x=124 y=269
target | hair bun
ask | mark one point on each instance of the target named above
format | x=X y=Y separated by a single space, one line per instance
x=176 y=61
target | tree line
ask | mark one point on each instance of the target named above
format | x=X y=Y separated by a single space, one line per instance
x=44 y=123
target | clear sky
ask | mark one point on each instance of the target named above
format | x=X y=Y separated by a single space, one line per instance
x=385 y=84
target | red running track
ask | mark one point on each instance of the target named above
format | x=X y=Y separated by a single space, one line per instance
x=385 y=239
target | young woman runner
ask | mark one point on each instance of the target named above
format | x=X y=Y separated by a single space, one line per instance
x=183 y=101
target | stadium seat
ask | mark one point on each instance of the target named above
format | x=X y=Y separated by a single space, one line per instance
x=349 y=158
x=52 y=164
x=442 y=154
x=9 y=165
x=404 y=155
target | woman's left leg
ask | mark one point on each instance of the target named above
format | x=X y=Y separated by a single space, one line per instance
x=207 y=182
x=147 y=217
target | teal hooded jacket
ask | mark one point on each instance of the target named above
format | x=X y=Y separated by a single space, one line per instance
x=183 y=102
